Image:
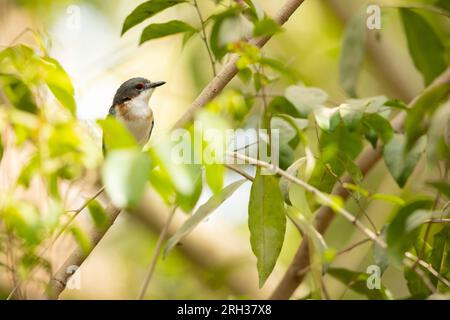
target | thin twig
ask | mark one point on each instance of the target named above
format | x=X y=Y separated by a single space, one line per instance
x=156 y=253
x=205 y=39
x=327 y=201
x=64 y=228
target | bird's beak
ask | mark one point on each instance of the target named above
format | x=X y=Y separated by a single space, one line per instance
x=156 y=84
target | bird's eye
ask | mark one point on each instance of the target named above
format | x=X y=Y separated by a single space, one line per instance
x=140 y=86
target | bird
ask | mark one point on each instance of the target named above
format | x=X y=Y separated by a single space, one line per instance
x=130 y=106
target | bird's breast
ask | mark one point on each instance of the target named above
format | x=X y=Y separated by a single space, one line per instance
x=138 y=120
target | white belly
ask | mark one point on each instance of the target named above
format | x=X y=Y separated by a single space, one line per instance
x=139 y=121
x=140 y=129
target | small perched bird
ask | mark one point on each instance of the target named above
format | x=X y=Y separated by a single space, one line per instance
x=130 y=105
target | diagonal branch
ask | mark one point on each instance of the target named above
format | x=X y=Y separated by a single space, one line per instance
x=368 y=159
x=77 y=257
x=328 y=201
x=230 y=70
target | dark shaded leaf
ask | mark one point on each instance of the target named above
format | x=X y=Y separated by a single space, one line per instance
x=426 y=52
x=440 y=257
x=401 y=163
x=404 y=228
x=352 y=54
x=357 y=281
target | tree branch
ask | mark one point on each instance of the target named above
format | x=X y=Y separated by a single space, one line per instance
x=368 y=159
x=230 y=70
x=59 y=280
x=77 y=257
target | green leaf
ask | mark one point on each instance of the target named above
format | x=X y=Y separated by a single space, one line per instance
x=116 y=135
x=256 y=8
x=389 y=198
x=426 y=52
x=423 y=106
x=352 y=54
x=338 y=149
x=305 y=99
x=214 y=176
x=357 y=281
x=440 y=257
x=404 y=228
x=380 y=126
x=180 y=175
x=284 y=106
x=98 y=214
x=125 y=175
x=59 y=83
x=327 y=118
x=146 y=10
x=267 y=223
x=18 y=93
x=442 y=186
x=201 y=213
x=229 y=27
x=23 y=218
x=160 y=30
x=188 y=202
x=401 y=163
x=82 y=239
x=266 y=27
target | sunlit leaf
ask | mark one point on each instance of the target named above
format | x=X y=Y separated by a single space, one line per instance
x=23 y=218
x=125 y=174
x=389 y=198
x=327 y=118
x=160 y=30
x=267 y=223
x=201 y=213
x=305 y=99
x=116 y=135
x=58 y=82
x=98 y=214
x=82 y=239
x=147 y=10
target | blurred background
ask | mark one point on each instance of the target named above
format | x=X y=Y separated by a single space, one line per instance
x=215 y=261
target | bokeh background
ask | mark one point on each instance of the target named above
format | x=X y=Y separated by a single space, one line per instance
x=216 y=261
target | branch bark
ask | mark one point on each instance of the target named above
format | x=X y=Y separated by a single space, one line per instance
x=77 y=257
x=368 y=159
x=230 y=70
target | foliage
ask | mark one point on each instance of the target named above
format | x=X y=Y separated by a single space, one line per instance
x=320 y=141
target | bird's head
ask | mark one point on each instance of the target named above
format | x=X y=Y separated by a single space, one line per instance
x=136 y=88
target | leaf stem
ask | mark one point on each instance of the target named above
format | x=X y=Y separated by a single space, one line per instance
x=205 y=39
